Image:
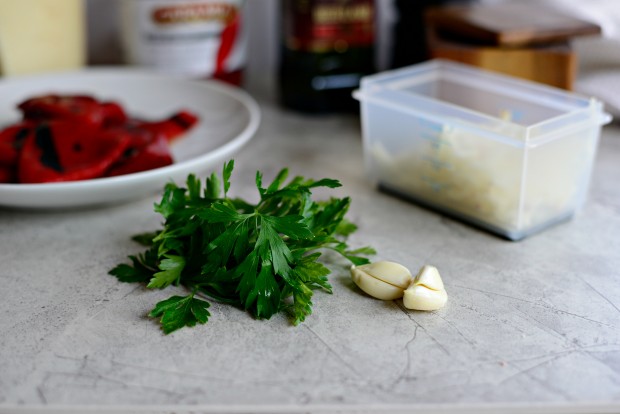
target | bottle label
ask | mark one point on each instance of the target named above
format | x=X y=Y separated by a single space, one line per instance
x=323 y=25
x=196 y=38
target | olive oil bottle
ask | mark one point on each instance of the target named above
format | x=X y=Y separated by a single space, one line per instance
x=327 y=46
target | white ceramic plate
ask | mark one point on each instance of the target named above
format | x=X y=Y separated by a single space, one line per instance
x=228 y=116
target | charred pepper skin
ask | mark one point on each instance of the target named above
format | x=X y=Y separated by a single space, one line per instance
x=156 y=154
x=11 y=141
x=64 y=151
x=149 y=148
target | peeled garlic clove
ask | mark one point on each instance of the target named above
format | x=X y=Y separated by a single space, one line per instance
x=419 y=297
x=375 y=287
x=382 y=280
x=426 y=291
x=389 y=272
x=429 y=276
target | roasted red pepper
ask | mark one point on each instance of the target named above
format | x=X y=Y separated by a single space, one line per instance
x=74 y=137
x=11 y=141
x=153 y=155
x=84 y=109
x=75 y=108
x=7 y=174
x=113 y=114
x=173 y=127
x=65 y=151
x=149 y=143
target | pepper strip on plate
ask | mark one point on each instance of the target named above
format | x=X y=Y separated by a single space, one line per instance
x=149 y=143
x=83 y=109
x=173 y=127
x=65 y=151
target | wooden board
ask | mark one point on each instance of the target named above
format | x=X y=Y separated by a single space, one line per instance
x=510 y=23
x=554 y=65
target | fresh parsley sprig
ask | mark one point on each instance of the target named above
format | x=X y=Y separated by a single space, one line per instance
x=259 y=257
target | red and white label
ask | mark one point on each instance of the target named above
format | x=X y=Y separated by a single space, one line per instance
x=195 y=38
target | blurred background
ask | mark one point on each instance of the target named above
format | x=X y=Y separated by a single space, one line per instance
x=579 y=59
x=596 y=58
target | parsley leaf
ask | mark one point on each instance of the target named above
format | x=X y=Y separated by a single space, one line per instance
x=226 y=173
x=261 y=257
x=171 y=269
x=132 y=274
x=179 y=311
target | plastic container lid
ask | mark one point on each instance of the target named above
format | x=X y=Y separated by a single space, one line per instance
x=472 y=99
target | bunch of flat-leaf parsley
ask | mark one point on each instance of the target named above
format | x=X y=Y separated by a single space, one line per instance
x=259 y=257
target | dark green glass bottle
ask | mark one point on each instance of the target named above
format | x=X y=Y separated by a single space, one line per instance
x=327 y=46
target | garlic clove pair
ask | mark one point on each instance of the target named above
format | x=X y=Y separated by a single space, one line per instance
x=382 y=280
x=426 y=291
x=388 y=281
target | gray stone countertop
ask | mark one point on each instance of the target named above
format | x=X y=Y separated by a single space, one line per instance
x=531 y=326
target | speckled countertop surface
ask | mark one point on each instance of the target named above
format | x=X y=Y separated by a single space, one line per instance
x=533 y=325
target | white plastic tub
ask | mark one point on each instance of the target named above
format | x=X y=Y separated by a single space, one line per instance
x=509 y=155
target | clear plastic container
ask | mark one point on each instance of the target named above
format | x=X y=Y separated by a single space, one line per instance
x=506 y=154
